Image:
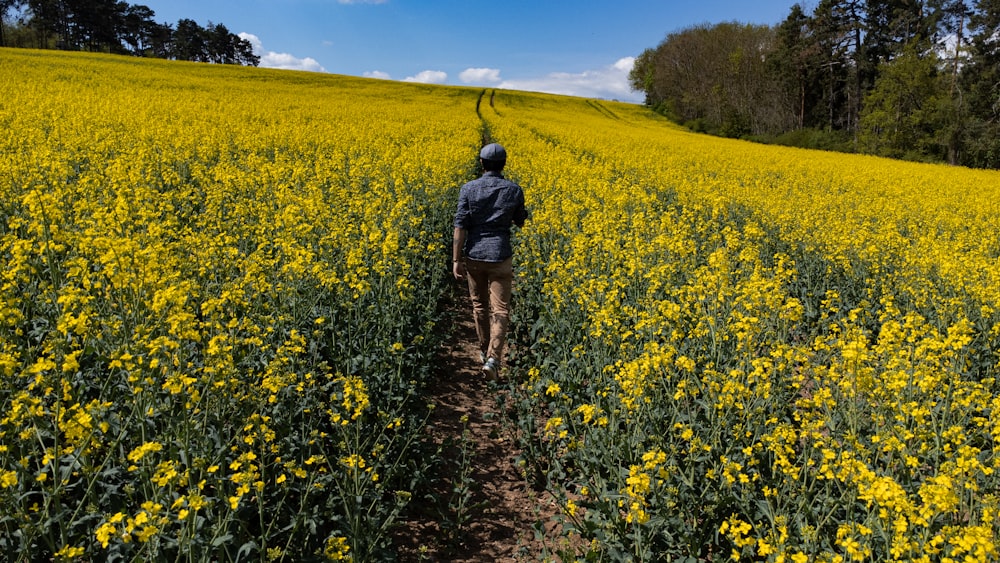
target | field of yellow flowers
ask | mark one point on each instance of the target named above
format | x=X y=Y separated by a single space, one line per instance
x=217 y=304
x=219 y=309
x=753 y=353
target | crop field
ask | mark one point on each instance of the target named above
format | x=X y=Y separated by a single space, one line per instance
x=220 y=305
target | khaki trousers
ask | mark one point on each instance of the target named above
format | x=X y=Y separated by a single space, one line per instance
x=490 y=288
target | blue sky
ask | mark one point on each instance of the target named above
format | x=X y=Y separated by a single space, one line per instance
x=575 y=47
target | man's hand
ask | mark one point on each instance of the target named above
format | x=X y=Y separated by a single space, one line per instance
x=458 y=269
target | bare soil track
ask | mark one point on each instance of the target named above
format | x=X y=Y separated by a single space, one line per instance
x=505 y=519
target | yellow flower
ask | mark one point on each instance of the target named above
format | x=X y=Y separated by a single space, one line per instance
x=587 y=412
x=553 y=427
x=8 y=479
x=137 y=454
x=69 y=553
x=337 y=549
x=104 y=533
x=637 y=514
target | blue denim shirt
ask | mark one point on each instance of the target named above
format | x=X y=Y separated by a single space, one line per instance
x=487 y=207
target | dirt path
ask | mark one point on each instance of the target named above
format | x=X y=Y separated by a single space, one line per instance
x=486 y=510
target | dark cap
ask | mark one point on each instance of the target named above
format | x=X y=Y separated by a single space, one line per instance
x=493 y=151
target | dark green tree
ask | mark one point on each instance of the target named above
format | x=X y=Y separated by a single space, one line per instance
x=948 y=24
x=220 y=44
x=115 y=26
x=244 y=52
x=903 y=112
x=903 y=78
x=834 y=29
x=211 y=44
x=716 y=78
x=95 y=25
x=226 y=47
x=160 y=40
x=892 y=25
x=188 y=42
x=796 y=62
x=980 y=81
x=6 y=7
x=138 y=29
x=50 y=22
x=643 y=75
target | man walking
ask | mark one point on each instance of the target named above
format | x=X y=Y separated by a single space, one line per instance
x=482 y=252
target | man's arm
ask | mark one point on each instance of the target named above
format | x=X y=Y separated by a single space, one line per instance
x=458 y=243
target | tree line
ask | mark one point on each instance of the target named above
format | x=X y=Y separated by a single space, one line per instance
x=913 y=79
x=113 y=26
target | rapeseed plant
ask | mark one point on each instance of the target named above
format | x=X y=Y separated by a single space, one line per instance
x=199 y=303
x=810 y=337
x=217 y=318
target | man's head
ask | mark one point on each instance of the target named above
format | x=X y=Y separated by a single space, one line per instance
x=494 y=157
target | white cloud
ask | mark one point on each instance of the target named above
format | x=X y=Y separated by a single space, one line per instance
x=377 y=74
x=270 y=59
x=610 y=82
x=480 y=76
x=428 y=77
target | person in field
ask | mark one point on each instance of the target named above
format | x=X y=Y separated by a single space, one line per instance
x=482 y=252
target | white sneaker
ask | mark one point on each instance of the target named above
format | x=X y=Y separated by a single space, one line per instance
x=490 y=368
